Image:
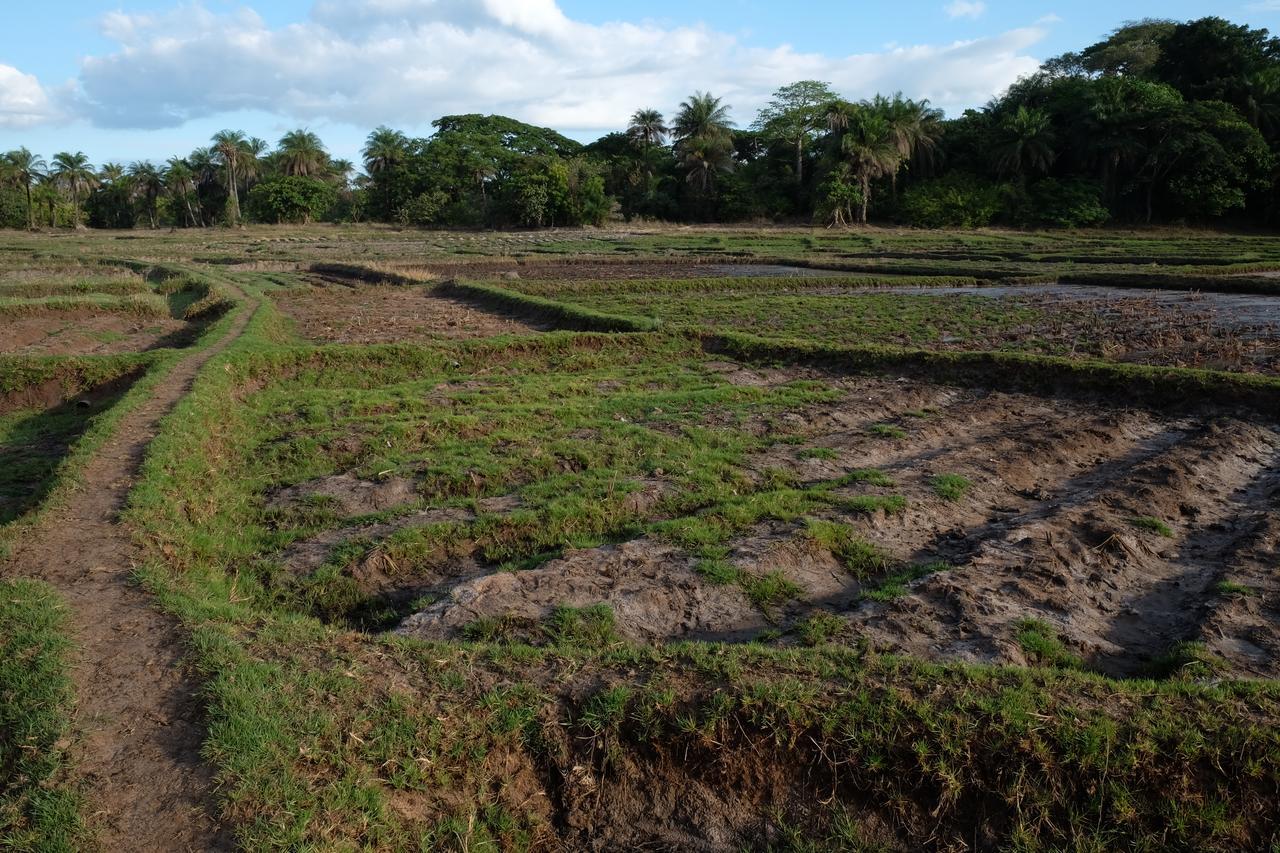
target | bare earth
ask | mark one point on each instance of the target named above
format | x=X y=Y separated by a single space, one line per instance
x=80 y=333
x=379 y=314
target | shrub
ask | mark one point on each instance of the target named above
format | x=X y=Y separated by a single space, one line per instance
x=424 y=209
x=956 y=201
x=291 y=198
x=1067 y=204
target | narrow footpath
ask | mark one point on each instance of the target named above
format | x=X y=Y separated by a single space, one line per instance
x=138 y=729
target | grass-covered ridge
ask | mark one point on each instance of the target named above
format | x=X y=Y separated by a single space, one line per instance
x=38 y=811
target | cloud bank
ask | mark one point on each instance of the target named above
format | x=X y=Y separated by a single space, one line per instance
x=406 y=62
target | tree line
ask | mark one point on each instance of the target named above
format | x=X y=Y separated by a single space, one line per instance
x=1161 y=121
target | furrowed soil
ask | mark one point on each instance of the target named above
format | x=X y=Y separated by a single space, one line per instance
x=375 y=314
x=85 y=333
x=1049 y=529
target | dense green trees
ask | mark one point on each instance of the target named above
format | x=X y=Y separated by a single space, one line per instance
x=1159 y=121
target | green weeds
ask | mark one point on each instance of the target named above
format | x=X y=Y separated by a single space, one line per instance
x=950 y=487
x=1152 y=525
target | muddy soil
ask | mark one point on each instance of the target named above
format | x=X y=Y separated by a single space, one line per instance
x=377 y=314
x=1051 y=527
x=81 y=333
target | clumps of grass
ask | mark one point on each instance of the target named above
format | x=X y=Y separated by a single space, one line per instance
x=819 y=627
x=895 y=585
x=36 y=697
x=950 y=487
x=768 y=590
x=1231 y=589
x=606 y=709
x=1043 y=646
x=718 y=571
x=1187 y=661
x=765 y=591
x=1152 y=524
x=818 y=453
x=896 y=433
x=592 y=627
x=860 y=557
x=491 y=629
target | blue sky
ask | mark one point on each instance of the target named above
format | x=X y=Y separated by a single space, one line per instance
x=127 y=80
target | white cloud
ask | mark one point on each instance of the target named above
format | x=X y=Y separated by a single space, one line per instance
x=23 y=101
x=966 y=9
x=406 y=62
x=1264 y=6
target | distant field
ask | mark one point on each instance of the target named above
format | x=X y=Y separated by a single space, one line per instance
x=784 y=539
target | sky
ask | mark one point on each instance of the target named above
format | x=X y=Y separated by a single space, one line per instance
x=125 y=81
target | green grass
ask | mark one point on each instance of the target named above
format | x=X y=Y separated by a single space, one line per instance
x=819 y=627
x=140 y=304
x=1152 y=525
x=1231 y=589
x=904 y=319
x=857 y=555
x=1043 y=646
x=950 y=487
x=894 y=586
x=38 y=810
x=768 y=590
x=588 y=626
x=887 y=431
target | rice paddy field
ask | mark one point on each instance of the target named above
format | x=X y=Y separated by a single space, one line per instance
x=359 y=538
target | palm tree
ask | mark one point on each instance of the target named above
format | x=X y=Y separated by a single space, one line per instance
x=1262 y=101
x=206 y=174
x=46 y=193
x=24 y=169
x=339 y=172
x=702 y=116
x=1027 y=143
x=839 y=113
x=148 y=182
x=704 y=159
x=647 y=128
x=869 y=146
x=384 y=150
x=180 y=179
x=111 y=173
x=228 y=146
x=302 y=153
x=74 y=173
x=704 y=138
x=915 y=127
x=254 y=158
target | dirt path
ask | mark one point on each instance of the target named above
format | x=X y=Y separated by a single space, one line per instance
x=138 y=721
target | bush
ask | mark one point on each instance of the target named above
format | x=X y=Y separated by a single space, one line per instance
x=291 y=198
x=425 y=209
x=1068 y=203
x=13 y=209
x=956 y=201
